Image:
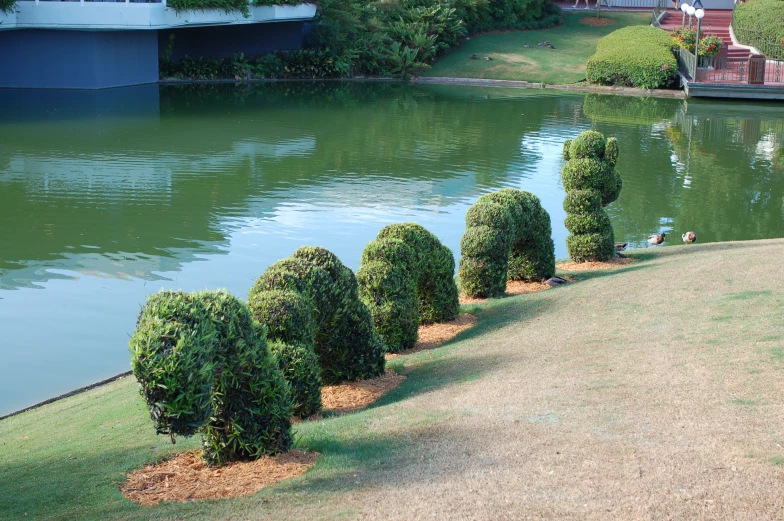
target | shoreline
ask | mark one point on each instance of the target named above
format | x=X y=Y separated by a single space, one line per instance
x=68 y=394
x=468 y=82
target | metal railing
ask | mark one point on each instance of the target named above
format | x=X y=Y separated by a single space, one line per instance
x=687 y=63
x=754 y=70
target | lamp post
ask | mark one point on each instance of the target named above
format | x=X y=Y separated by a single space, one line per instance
x=690 y=11
x=684 y=8
x=699 y=13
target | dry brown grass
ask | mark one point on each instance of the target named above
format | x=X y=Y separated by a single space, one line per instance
x=635 y=397
x=186 y=478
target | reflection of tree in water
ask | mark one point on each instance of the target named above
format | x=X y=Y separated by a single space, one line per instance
x=714 y=172
x=719 y=200
x=161 y=189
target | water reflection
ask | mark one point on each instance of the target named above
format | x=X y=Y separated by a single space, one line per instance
x=107 y=199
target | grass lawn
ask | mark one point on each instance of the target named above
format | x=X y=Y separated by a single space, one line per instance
x=574 y=43
x=650 y=392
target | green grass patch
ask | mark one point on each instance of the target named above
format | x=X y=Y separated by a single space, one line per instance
x=578 y=356
x=574 y=43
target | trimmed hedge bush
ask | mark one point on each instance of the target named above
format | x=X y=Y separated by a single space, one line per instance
x=761 y=23
x=591 y=182
x=300 y=367
x=508 y=237
x=636 y=56
x=406 y=278
x=311 y=299
x=203 y=364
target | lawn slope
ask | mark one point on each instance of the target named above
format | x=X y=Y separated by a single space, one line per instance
x=574 y=43
x=652 y=391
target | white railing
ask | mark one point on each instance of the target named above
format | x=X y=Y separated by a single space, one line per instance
x=138 y=14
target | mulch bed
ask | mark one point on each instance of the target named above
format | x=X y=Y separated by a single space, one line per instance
x=513 y=287
x=353 y=396
x=596 y=21
x=591 y=266
x=187 y=478
x=433 y=335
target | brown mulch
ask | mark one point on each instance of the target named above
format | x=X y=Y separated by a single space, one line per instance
x=352 y=396
x=590 y=266
x=187 y=478
x=597 y=22
x=433 y=335
x=513 y=287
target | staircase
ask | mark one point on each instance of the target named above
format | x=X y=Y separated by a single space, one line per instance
x=715 y=22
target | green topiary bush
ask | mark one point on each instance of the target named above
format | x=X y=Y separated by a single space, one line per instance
x=312 y=299
x=406 y=278
x=300 y=367
x=203 y=364
x=508 y=237
x=591 y=183
x=636 y=56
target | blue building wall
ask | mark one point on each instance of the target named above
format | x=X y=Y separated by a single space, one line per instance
x=52 y=59
x=224 y=41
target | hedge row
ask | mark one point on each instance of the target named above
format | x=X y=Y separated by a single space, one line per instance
x=406 y=278
x=203 y=365
x=508 y=237
x=312 y=300
x=761 y=23
x=636 y=56
x=591 y=182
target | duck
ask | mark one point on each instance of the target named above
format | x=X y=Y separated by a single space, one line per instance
x=620 y=246
x=549 y=45
x=474 y=57
x=488 y=58
x=656 y=238
x=554 y=281
x=526 y=46
x=689 y=237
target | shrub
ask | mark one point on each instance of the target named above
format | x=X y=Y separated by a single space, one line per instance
x=203 y=364
x=761 y=24
x=686 y=38
x=380 y=38
x=637 y=56
x=406 y=278
x=508 y=237
x=300 y=368
x=312 y=299
x=591 y=182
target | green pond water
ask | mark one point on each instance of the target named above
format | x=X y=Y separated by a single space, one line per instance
x=107 y=197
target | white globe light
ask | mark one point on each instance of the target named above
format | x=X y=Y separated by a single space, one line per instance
x=691 y=10
x=684 y=7
x=699 y=13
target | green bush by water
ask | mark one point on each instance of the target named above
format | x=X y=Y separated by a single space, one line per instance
x=591 y=182
x=508 y=237
x=406 y=278
x=300 y=367
x=311 y=299
x=637 y=56
x=203 y=365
